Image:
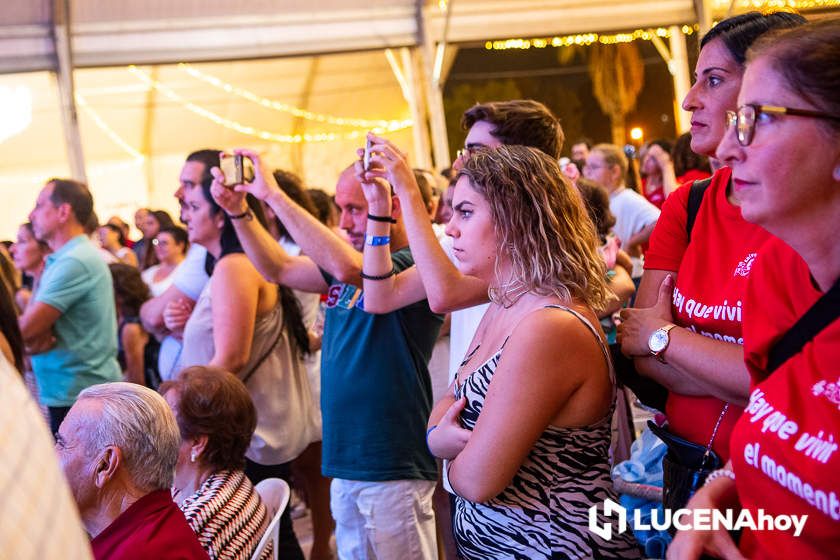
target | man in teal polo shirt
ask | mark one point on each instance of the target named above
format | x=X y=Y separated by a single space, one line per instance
x=70 y=327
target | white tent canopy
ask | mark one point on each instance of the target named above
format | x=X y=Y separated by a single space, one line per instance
x=250 y=63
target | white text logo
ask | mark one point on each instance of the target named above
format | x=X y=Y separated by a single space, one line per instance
x=697 y=519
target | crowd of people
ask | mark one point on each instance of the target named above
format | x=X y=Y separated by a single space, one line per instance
x=286 y=334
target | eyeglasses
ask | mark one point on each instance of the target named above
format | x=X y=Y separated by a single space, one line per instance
x=464 y=153
x=744 y=119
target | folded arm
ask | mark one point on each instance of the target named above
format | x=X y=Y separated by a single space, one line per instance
x=696 y=365
x=544 y=349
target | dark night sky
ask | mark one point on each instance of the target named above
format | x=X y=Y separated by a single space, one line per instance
x=482 y=75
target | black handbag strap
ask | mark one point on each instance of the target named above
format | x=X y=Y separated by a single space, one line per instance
x=695 y=199
x=253 y=369
x=824 y=312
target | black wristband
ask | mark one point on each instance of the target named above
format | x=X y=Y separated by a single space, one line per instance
x=379 y=276
x=387 y=219
x=246 y=214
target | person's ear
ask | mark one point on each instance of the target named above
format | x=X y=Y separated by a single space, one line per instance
x=219 y=220
x=616 y=174
x=64 y=212
x=197 y=447
x=396 y=208
x=107 y=464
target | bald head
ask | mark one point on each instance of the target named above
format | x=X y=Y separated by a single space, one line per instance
x=354 y=207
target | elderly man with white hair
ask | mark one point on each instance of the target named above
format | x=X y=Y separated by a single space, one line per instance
x=118 y=447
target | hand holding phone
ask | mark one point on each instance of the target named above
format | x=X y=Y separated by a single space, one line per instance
x=366 y=158
x=237 y=170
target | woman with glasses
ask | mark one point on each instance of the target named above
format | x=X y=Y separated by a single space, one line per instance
x=170 y=247
x=685 y=330
x=783 y=146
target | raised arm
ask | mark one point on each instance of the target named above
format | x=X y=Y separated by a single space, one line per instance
x=696 y=365
x=446 y=288
x=666 y=164
x=275 y=264
x=384 y=293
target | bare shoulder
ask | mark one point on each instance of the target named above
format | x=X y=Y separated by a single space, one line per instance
x=553 y=341
x=557 y=328
x=236 y=267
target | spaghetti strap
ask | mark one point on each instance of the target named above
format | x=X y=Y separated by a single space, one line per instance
x=594 y=332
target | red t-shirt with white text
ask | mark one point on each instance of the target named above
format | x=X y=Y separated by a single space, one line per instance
x=712 y=274
x=785 y=446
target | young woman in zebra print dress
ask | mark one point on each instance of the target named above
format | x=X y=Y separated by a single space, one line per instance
x=525 y=432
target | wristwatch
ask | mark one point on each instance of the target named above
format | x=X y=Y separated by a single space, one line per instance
x=658 y=342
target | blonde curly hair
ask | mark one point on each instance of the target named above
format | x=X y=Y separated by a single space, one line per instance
x=541 y=223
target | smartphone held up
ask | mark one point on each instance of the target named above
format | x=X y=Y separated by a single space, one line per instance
x=237 y=169
x=366 y=158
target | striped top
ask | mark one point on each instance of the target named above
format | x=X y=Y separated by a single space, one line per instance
x=228 y=516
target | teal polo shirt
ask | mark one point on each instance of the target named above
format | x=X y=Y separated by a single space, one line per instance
x=77 y=282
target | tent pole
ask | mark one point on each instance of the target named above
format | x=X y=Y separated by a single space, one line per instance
x=66 y=88
x=677 y=60
x=434 y=94
x=703 y=9
x=422 y=158
x=678 y=66
x=148 y=129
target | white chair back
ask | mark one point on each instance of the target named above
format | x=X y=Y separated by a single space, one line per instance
x=275 y=494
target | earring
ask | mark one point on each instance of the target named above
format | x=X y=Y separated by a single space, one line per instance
x=192 y=457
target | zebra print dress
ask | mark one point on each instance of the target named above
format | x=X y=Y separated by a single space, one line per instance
x=228 y=516
x=544 y=512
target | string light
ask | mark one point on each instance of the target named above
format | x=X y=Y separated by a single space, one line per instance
x=106 y=128
x=384 y=125
x=585 y=39
x=778 y=4
x=245 y=129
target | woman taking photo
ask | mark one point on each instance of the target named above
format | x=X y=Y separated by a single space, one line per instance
x=216 y=418
x=685 y=330
x=520 y=226
x=253 y=328
x=170 y=248
x=783 y=146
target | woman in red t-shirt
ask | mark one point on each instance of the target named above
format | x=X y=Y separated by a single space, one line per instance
x=783 y=146
x=698 y=286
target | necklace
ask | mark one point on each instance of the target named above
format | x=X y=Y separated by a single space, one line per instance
x=507 y=294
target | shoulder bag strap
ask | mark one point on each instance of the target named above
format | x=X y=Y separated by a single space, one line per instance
x=253 y=369
x=695 y=198
x=824 y=312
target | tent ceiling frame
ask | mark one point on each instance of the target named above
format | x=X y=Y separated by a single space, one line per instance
x=63 y=69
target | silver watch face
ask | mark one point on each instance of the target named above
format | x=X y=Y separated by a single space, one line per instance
x=658 y=341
